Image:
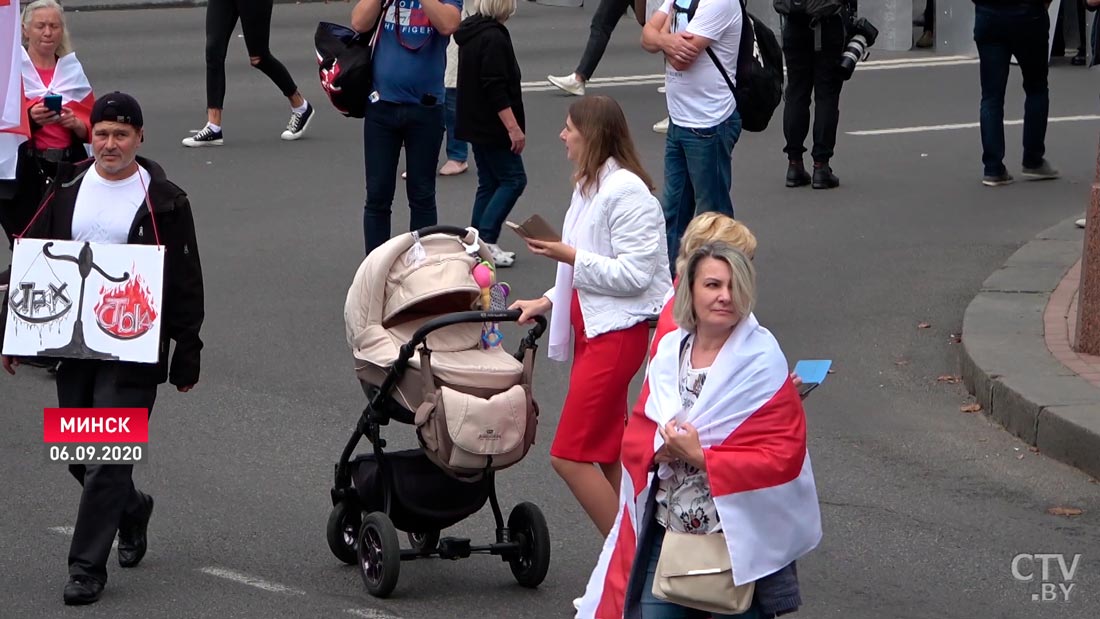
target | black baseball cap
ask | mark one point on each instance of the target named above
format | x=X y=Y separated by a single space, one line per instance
x=117 y=107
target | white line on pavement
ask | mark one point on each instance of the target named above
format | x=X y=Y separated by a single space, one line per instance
x=251 y=581
x=371 y=613
x=69 y=532
x=659 y=78
x=926 y=128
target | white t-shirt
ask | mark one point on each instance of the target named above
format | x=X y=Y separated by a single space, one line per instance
x=700 y=97
x=105 y=209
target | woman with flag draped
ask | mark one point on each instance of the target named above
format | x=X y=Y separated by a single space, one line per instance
x=719 y=450
x=49 y=67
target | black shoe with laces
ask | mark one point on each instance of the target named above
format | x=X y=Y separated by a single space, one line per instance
x=298 y=123
x=82 y=590
x=797 y=176
x=205 y=137
x=824 y=177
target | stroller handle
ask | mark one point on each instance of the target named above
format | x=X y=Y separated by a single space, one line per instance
x=441 y=229
x=472 y=316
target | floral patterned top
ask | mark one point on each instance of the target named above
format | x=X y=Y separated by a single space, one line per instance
x=692 y=507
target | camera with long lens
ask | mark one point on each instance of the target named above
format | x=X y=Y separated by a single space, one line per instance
x=864 y=37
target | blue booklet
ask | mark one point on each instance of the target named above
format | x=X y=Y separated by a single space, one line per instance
x=813 y=371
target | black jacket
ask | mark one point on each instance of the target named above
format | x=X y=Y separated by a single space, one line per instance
x=488 y=82
x=182 y=306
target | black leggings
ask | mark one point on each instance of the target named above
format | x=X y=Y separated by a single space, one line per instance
x=221 y=19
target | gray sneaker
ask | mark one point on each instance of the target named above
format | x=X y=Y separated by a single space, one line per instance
x=1003 y=178
x=1044 y=172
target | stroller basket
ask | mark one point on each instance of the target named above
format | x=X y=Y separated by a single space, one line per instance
x=423 y=497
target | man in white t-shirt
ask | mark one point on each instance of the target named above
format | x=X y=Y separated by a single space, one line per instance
x=121 y=198
x=704 y=123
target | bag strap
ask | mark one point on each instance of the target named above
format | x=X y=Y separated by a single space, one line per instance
x=710 y=51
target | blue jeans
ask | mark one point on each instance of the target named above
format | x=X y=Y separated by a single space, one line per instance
x=652 y=608
x=386 y=129
x=500 y=182
x=698 y=166
x=1002 y=33
x=457 y=150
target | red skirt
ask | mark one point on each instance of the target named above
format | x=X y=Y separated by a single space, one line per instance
x=594 y=415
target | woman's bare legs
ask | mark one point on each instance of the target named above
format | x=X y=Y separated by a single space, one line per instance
x=596 y=489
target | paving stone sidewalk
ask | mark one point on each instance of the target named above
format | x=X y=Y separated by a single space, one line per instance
x=1017 y=359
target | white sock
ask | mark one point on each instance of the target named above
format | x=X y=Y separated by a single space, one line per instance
x=213 y=127
x=301 y=109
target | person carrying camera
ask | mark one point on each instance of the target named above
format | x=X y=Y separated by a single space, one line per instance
x=406 y=107
x=814 y=36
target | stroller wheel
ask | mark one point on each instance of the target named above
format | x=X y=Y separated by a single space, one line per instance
x=424 y=543
x=343 y=532
x=379 y=554
x=528 y=528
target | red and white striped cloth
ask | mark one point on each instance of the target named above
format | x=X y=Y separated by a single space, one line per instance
x=14 y=125
x=753 y=430
x=68 y=81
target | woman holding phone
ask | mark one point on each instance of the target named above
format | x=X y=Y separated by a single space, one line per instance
x=612 y=273
x=57 y=100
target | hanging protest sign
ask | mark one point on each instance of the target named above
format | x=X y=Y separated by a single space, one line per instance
x=80 y=300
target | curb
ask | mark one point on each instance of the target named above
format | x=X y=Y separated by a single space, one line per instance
x=1005 y=362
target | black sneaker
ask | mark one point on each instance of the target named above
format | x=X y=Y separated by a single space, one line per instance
x=797 y=176
x=1044 y=172
x=997 y=180
x=824 y=178
x=298 y=123
x=206 y=137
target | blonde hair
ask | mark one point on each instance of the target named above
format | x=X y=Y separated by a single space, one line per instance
x=713 y=226
x=742 y=283
x=65 y=45
x=499 y=10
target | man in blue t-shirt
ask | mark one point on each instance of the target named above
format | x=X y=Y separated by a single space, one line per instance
x=406 y=108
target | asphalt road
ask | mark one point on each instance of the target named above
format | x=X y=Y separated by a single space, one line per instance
x=924 y=506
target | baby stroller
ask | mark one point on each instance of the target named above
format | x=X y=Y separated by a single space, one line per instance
x=423 y=357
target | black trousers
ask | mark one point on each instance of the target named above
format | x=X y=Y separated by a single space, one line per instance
x=109 y=495
x=817 y=72
x=604 y=20
x=255 y=18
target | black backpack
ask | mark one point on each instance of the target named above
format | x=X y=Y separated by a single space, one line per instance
x=344 y=65
x=759 y=88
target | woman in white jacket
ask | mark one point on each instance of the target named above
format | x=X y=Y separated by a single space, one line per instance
x=612 y=274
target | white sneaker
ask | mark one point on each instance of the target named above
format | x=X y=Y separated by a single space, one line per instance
x=568 y=83
x=1080 y=222
x=662 y=126
x=204 y=137
x=501 y=258
x=577 y=603
x=662 y=89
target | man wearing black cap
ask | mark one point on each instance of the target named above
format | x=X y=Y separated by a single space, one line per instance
x=121 y=198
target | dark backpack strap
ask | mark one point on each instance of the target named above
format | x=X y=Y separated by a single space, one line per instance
x=710 y=52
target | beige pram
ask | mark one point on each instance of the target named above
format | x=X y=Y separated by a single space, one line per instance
x=420 y=328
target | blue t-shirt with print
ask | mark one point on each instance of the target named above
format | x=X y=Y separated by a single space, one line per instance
x=410 y=56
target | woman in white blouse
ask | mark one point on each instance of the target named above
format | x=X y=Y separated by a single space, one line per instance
x=612 y=274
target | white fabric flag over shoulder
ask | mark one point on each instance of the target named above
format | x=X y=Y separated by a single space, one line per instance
x=11 y=107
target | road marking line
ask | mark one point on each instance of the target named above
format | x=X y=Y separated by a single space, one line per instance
x=659 y=78
x=68 y=531
x=1057 y=119
x=251 y=581
x=370 y=613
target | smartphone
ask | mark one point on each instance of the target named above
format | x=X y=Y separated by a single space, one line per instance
x=535 y=228
x=53 y=103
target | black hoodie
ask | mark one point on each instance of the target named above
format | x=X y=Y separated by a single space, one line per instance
x=488 y=82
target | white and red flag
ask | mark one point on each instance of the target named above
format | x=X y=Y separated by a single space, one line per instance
x=68 y=81
x=753 y=431
x=14 y=125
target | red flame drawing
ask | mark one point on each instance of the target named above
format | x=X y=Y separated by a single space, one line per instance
x=126 y=312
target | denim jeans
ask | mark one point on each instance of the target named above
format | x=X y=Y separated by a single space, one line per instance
x=457 y=150
x=500 y=182
x=1001 y=33
x=698 y=166
x=386 y=129
x=652 y=608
